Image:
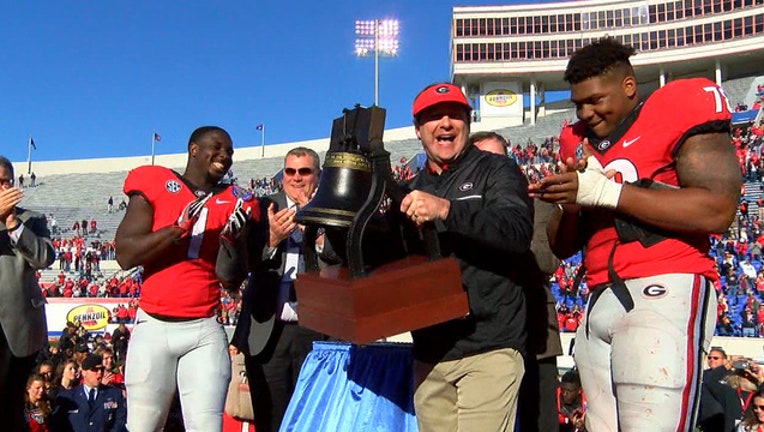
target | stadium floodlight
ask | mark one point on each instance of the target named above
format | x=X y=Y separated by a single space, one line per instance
x=378 y=38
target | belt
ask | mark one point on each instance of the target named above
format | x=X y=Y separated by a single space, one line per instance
x=166 y=318
x=616 y=285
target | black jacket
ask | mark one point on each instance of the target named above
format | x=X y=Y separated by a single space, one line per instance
x=254 y=334
x=488 y=230
x=719 y=403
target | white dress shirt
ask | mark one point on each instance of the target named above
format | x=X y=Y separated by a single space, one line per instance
x=294 y=263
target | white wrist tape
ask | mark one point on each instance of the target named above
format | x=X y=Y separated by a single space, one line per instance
x=595 y=189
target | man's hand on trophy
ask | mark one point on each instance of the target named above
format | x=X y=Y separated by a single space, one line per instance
x=281 y=224
x=422 y=207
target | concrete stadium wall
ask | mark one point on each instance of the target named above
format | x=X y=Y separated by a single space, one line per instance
x=178 y=160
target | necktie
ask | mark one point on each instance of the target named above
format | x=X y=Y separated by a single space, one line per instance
x=91 y=397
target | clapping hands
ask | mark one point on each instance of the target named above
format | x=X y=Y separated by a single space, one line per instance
x=190 y=213
x=281 y=224
x=9 y=199
x=236 y=222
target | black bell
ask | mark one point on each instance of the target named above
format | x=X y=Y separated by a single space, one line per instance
x=342 y=190
x=346 y=199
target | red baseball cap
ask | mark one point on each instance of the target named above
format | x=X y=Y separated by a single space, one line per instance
x=439 y=93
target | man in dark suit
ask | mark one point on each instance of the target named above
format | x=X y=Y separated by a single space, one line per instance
x=537 y=400
x=92 y=406
x=25 y=247
x=267 y=332
x=119 y=339
x=720 y=404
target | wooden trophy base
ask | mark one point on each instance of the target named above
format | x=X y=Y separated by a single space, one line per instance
x=404 y=295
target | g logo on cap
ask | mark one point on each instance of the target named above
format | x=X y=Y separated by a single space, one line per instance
x=439 y=93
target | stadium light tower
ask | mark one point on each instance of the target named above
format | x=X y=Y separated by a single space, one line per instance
x=377 y=37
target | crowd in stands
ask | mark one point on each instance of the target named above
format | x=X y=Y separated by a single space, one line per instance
x=79 y=228
x=66 y=365
x=80 y=255
x=741 y=285
x=264 y=186
x=748 y=142
x=125 y=313
x=84 y=286
x=402 y=172
x=79 y=264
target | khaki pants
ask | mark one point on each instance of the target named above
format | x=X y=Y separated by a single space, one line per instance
x=473 y=394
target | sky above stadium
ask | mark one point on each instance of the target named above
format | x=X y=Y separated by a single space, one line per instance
x=97 y=79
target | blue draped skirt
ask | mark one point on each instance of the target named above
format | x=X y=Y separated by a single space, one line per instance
x=344 y=387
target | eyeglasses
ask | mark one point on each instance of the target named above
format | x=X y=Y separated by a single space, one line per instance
x=714 y=358
x=758 y=407
x=303 y=171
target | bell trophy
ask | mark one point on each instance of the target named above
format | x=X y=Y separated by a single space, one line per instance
x=392 y=278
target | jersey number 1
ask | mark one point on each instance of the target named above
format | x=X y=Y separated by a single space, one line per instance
x=197 y=235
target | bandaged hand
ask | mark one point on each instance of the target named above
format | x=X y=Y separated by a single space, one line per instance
x=595 y=189
x=236 y=222
x=191 y=213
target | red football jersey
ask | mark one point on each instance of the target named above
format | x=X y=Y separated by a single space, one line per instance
x=182 y=282
x=646 y=150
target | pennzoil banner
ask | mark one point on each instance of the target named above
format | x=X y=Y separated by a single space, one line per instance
x=93 y=313
x=91 y=316
x=502 y=99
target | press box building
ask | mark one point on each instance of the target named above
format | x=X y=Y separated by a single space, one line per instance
x=499 y=54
